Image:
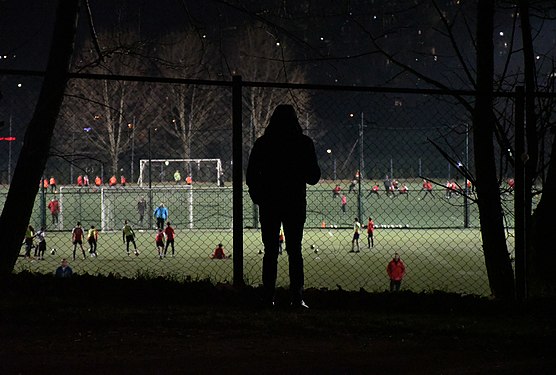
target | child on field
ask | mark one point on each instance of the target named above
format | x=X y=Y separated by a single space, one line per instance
x=170 y=235
x=29 y=235
x=219 y=253
x=159 y=239
x=41 y=247
x=92 y=238
x=356 y=232
x=77 y=239
x=128 y=235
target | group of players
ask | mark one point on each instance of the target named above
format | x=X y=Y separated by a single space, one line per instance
x=393 y=187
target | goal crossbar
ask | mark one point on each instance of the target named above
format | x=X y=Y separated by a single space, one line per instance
x=144 y=162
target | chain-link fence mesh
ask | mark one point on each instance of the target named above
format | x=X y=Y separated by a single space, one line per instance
x=122 y=149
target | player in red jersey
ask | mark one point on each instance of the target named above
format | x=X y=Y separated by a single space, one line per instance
x=159 y=239
x=370 y=233
x=77 y=239
x=170 y=236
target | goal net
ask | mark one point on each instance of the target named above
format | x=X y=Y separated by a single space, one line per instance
x=136 y=205
x=175 y=171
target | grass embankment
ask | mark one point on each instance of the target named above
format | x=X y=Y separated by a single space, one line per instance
x=102 y=324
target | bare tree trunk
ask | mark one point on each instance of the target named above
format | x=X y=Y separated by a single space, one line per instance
x=540 y=235
x=497 y=260
x=541 y=249
x=36 y=144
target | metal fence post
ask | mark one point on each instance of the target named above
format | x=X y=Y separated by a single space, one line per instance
x=519 y=200
x=237 y=180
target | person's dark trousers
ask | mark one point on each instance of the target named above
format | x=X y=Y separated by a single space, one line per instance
x=160 y=223
x=92 y=246
x=292 y=217
x=395 y=285
x=168 y=243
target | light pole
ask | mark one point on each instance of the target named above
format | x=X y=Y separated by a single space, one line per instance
x=466 y=195
x=10 y=154
x=329 y=152
x=361 y=164
x=131 y=126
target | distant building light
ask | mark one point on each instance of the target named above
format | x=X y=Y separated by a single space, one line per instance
x=419 y=32
x=7 y=139
x=87 y=129
x=398 y=103
x=435 y=58
x=501 y=33
x=278 y=43
x=538 y=57
x=19 y=85
x=321 y=38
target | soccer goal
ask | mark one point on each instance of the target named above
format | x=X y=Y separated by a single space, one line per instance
x=164 y=170
x=136 y=205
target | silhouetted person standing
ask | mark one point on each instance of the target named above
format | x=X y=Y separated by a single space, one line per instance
x=283 y=147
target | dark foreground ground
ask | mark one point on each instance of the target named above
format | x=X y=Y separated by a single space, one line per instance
x=90 y=325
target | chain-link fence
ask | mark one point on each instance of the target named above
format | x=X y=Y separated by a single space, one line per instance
x=160 y=155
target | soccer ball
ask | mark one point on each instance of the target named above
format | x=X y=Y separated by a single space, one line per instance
x=53 y=251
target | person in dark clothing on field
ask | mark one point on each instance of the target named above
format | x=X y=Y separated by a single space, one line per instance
x=141 y=207
x=284 y=147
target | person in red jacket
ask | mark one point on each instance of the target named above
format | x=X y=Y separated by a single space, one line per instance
x=404 y=190
x=219 y=253
x=54 y=207
x=336 y=191
x=52 y=184
x=159 y=239
x=427 y=187
x=113 y=181
x=396 y=272
x=374 y=190
x=79 y=180
x=122 y=180
x=98 y=181
x=370 y=233
x=511 y=185
x=170 y=235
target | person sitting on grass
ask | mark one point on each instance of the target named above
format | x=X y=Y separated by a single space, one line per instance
x=219 y=253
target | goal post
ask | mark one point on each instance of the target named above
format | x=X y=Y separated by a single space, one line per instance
x=119 y=204
x=200 y=170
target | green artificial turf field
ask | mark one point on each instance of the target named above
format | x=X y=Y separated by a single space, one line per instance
x=428 y=232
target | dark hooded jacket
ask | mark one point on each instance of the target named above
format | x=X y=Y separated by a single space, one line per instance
x=282 y=161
